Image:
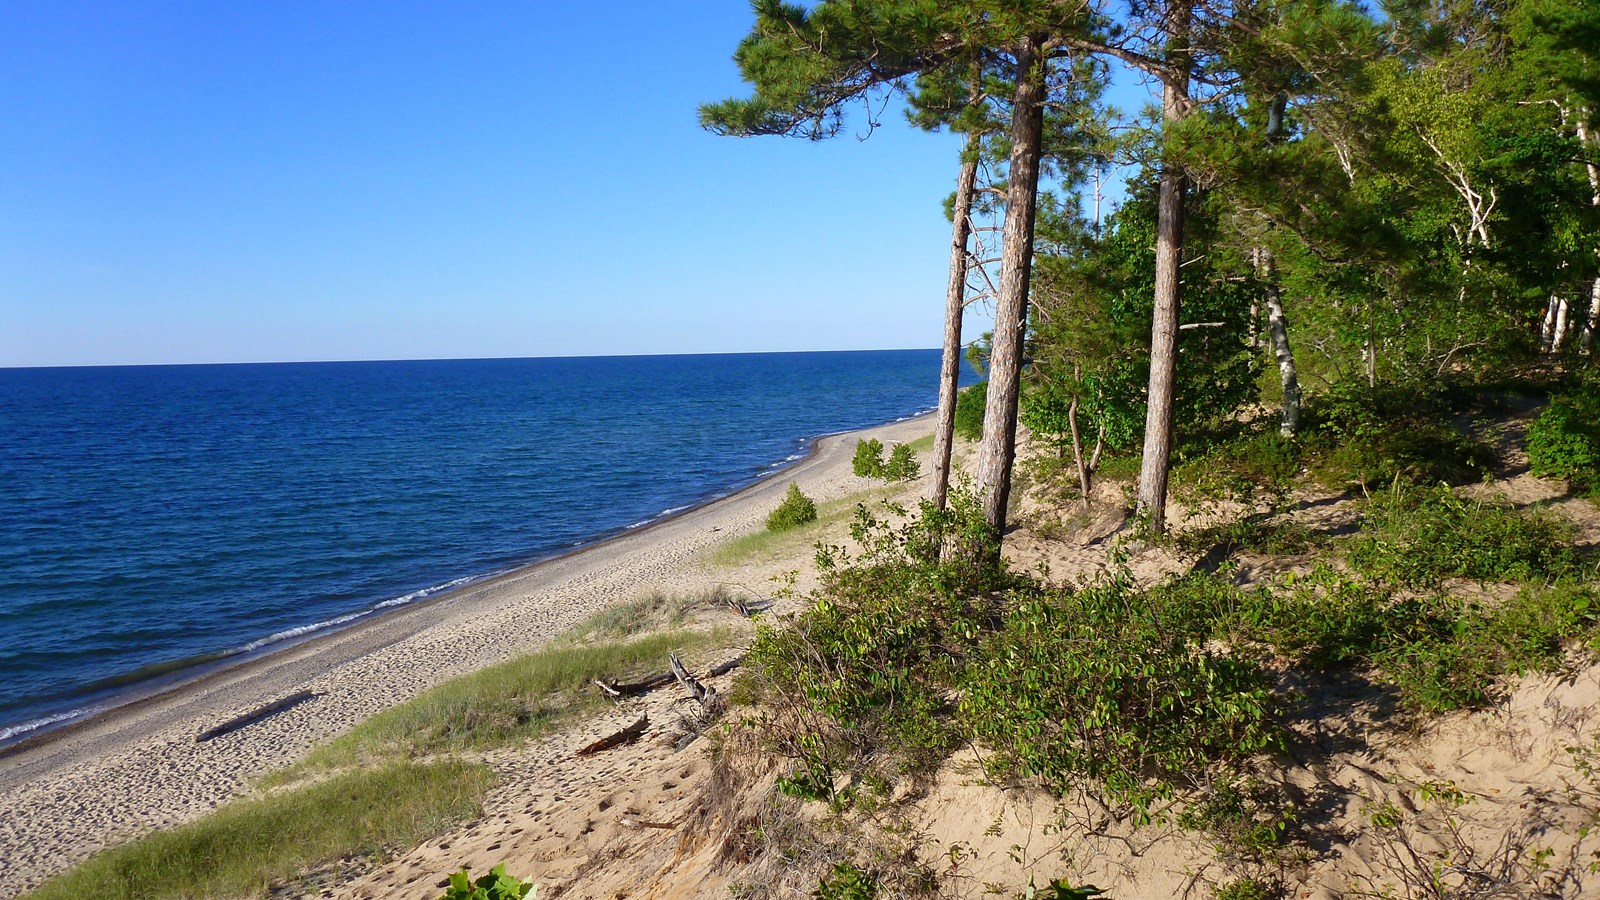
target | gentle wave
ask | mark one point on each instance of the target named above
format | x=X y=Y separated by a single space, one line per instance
x=16 y=731
x=302 y=630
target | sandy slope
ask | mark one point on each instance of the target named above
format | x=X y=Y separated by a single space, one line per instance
x=139 y=767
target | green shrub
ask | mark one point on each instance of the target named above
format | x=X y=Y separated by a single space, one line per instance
x=970 y=405
x=796 y=509
x=1418 y=536
x=1320 y=620
x=902 y=464
x=1247 y=889
x=496 y=885
x=868 y=461
x=1109 y=683
x=1564 y=442
x=1259 y=462
x=846 y=882
x=1368 y=437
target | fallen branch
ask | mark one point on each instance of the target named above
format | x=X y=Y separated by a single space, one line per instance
x=702 y=694
x=634 y=688
x=726 y=667
x=616 y=739
x=254 y=716
x=640 y=823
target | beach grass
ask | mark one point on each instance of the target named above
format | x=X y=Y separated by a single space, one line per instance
x=517 y=700
x=764 y=545
x=922 y=444
x=245 y=846
x=651 y=611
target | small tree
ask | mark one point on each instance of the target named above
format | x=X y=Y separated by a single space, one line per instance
x=902 y=464
x=868 y=461
x=796 y=509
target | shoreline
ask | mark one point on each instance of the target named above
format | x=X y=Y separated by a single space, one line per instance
x=138 y=766
x=176 y=675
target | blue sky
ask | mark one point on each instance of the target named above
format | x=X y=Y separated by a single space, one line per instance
x=214 y=182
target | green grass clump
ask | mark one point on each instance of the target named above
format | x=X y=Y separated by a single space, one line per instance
x=655 y=610
x=1418 y=536
x=796 y=509
x=242 y=848
x=514 y=701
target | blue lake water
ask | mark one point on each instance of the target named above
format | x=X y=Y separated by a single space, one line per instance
x=160 y=515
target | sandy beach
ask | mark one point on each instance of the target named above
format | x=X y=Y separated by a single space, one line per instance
x=139 y=767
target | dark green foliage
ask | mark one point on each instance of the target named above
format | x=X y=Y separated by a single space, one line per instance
x=1255 y=462
x=868 y=459
x=846 y=882
x=1368 y=438
x=1117 y=685
x=1248 y=818
x=902 y=464
x=1418 y=536
x=969 y=410
x=1251 y=534
x=496 y=885
x=796 y=509
x=1061 y=889
x=1564 y=442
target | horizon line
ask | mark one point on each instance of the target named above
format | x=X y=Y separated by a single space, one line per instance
x=295 y=362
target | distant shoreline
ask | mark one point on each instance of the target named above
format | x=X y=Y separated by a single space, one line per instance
x=177 y=675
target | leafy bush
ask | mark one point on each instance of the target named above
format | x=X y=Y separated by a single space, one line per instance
x=796 y=509
x=1564 y=442
x=1119 y=686
x=1247 y=889
x=867 y=667
x=1418 y=536
x=902 y=464
x=868 y=461
x=970 y=405
x=1370 y=437
x=847 y=882
x=496 y=885
x=1258 y=462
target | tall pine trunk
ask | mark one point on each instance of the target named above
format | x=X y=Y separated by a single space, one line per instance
x=954 y=298
x=997 y=451
x=1157 y=461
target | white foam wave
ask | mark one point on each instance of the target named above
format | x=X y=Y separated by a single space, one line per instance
x=425 y=592
x=7 y=734
x=300 y=630
x=675 y=509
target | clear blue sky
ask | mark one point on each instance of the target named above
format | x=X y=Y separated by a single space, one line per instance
x=210 y=182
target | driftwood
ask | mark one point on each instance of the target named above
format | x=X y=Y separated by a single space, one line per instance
x=616 y=739
x=254 y=716
x=634 y=688
x=640 y=823
x=726 y=667
x=702 y=694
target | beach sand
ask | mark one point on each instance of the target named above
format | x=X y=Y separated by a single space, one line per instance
x=66 y=794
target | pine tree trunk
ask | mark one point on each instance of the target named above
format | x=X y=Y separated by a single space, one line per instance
x=954 y=298
x=998 y=448
x=1278 y=329
x=1157 y=461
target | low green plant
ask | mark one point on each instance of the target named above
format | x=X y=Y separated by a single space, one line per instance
x=1258 y=462
x=1060 y=889
x=496 y=885
x=1364 y=438
x=845 y=881
x=1564 y=442
x=902 y=464
x=868 y=459
x=970 y=405
x=244 y=847
x=1419 y=536
x=1253 y=534
x=796 y=509
x=1247 y=889
x=1120 y=686
x=1249 y=819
